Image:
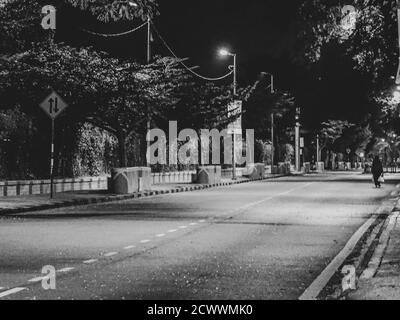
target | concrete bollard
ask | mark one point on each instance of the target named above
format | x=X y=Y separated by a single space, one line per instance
x=256 y=171
x=130 y=180
x=208 y=175
x=320 y=166
x=307 y=167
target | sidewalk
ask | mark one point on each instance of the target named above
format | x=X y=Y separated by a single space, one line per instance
x=23 y=204
x=383 y=283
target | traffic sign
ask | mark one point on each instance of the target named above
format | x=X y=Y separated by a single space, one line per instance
x=235 y=110
x=53 y=105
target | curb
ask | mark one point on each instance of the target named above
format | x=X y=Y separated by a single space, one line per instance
x=116 y=198
x=372 y=249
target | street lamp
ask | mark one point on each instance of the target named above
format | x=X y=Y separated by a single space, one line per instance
x=272 y=122
x=226 y=53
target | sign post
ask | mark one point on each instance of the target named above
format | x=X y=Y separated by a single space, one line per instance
x=53 y=105
x=234 y=128
x=398 y=18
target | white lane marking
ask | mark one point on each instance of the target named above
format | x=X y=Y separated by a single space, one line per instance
x=193 y=224
x=11 y=291
x=313 y=291
x=110 y=254
x=256 y=203
x=38 y=279
x=202 y=221
x=172 y=231
x=2 y=288
x=129 y=247
x=90 y=261
x=64 y=270
x=145 y=241
x=182 y=227
x=160 y=235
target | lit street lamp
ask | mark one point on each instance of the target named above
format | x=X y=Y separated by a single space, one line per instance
x=226 y=53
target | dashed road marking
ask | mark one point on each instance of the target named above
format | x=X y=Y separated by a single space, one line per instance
x=129 y=247
x=110 y=254
x=182 y=227
x=145 y=241
x=38 y=279
x=160 y=235
x=64 y=270
x=11 y=291
x=202 y=221
x=193 y=224
x=172 y=231
x=90 y=261
x=2 y=288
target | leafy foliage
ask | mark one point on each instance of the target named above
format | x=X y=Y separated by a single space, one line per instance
x=106 y=10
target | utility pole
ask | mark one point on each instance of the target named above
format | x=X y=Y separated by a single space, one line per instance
x=234 y=177
x=318 y=160
x=297 y=138
x=272 y=126
x=272 y=140
x=148 y=107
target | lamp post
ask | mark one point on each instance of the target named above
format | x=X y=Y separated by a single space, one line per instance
x=272 y=122
x=226 y=53
x=297 y=138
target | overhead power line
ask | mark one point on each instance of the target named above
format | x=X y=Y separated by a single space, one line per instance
x=183 y=64
x=111 y=35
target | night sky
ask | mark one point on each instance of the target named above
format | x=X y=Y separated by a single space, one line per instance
x=263 y=33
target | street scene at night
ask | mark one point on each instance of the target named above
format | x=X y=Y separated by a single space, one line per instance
x=188 y=155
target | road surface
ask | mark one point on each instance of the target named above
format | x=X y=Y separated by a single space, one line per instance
x=262 y=240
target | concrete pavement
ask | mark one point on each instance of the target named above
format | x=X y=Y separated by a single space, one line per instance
x=261 y=240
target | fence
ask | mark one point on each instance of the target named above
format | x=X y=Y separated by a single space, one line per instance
x=36 y=187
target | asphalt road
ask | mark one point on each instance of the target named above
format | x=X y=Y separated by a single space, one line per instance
x=263 y=240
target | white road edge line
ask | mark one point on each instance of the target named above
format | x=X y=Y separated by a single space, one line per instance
x=90 y=261
x=11 y=291
x=38 y=279
x=313 y=291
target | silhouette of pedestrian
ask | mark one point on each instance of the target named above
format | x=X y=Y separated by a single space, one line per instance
x=377 y=171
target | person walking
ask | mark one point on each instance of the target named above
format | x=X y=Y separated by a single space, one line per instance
x=377 y=171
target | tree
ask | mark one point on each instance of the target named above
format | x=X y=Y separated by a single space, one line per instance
x=354 y=63
x=106 y=10
x=330 y=133
x=259 y=105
